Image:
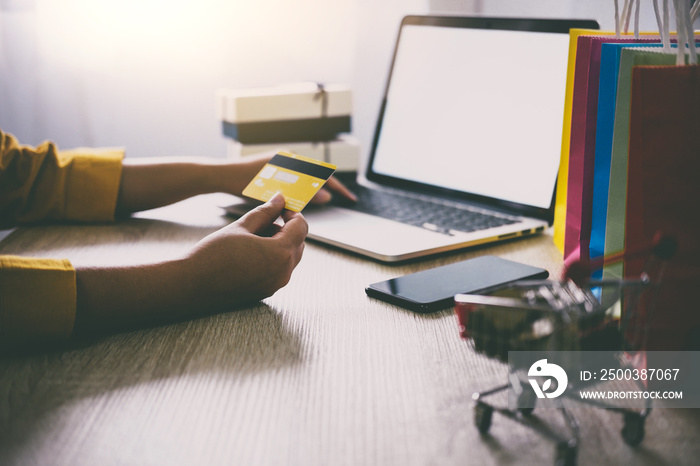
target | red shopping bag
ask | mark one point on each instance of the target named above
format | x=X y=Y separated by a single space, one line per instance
x=663 y=194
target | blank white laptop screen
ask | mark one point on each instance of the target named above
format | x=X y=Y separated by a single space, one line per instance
x=478 y=111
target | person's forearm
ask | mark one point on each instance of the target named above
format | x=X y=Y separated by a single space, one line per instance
x=147 y=184
x=151 y=183
x=118 y=298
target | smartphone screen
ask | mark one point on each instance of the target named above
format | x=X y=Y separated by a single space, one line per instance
x=434 y=289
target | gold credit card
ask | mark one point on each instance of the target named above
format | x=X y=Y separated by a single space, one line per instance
x=298 y=178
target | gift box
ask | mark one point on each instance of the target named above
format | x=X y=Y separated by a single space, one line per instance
x=285 y=113
x=343 y=151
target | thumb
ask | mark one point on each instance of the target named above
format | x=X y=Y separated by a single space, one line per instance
x=260 y=218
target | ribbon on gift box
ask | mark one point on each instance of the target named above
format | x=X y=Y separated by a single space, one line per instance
x=323 y=95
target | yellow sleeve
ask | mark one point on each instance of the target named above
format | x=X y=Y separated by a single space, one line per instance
x=44 y=183
x=37 y=300
x=38 y=296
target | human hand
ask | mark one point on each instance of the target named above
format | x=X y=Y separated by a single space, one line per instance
x=230 y=267
x=237 y=265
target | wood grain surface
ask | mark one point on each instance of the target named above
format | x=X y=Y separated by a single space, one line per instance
x=318 y=374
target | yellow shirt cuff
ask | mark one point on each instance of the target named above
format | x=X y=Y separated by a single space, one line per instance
x=37 y=300
x=92 y=185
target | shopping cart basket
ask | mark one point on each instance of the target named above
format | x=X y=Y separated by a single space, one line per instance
x=577 y=314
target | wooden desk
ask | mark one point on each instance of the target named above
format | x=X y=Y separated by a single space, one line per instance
x=319 y=374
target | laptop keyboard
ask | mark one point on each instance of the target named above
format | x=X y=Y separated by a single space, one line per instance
x=420 y=212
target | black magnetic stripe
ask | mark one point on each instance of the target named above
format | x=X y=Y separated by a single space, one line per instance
x=317 y=171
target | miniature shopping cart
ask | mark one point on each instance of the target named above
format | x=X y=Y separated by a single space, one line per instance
x=575 y=315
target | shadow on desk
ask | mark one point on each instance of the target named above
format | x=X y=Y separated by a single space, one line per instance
x=127 y=233
x=236 y=345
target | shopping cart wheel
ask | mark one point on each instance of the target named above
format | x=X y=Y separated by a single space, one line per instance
x=566 y=453
x=527 y=398
x=633 y=429
x=482 y=417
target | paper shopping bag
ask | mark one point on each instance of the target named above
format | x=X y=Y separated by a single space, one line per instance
x=607 y=95
x=562 y=178
x=617 y=198
x=663 y=192
x=583 y=142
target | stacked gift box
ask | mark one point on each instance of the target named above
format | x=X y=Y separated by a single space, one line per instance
x=309 y=119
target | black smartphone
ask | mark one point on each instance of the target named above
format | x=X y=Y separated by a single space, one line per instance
x=434 y=289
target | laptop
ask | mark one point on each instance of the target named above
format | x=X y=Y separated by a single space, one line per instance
x=467 y=144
